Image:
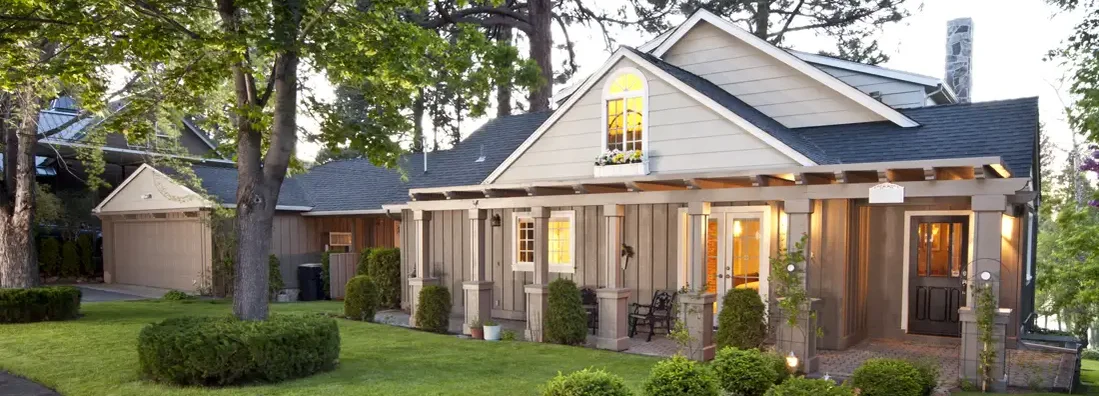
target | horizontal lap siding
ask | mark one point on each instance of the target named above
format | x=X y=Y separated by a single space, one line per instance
x=896 y=93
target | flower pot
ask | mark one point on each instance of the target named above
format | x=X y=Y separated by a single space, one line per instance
x=622 y=170
x=477 y=333
x=492 y=333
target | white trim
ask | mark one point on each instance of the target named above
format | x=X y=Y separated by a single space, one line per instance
x=288 y=208
x=625 y=97
x=765 y=220
x=908 y=214
x=706 y=101
x=789 y=59
x=346 y=212
x=142 y=168
x=914 y=78
x=350 y=238
x=202 y=136
x=565 y=268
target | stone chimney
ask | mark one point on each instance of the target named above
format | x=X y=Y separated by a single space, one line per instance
x=959 y=57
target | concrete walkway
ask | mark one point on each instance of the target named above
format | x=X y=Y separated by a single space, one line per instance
x=97 y=292
x=11 y=385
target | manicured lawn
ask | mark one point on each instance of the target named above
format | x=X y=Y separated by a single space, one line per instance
x=1089 y=375
x=95 y=355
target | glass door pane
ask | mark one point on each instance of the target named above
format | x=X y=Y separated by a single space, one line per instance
x=745 y=272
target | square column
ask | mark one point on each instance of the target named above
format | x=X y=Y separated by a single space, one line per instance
x=421 y=220
x=801 y=338
x=697 y=305
x=478 y=291
x=613 y=297
x=537 y=292
x=988 y=215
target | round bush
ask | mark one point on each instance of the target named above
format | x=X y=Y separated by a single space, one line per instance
x=778 y=362
x=433 y=314
x=679 y=376
x=361 y=300
x=887 y=377
x=39 y=304
x=801 y=386
x=741 y=323
x=565 y=322
x=224 y=350
x=176 y=295
x=586 y=382
x=385 y=267
x=745 y=372
x=929 y=374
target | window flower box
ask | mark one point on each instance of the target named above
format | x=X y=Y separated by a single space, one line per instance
x=615 y=163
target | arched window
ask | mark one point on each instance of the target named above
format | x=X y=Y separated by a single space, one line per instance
x=624 y=99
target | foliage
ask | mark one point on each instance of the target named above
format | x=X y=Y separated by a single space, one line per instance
x=70 y=259
x=742 y=322
x=274 y=270
x=747 y=372
x=789 y=286
x=1089 y=354
x=508 y=335
x=929 y=374
x=1081 y=54
x=176 y=295
x=433 y=314
x=49 y=255
x=801 y=386
x=49 y=209
x=679 y=376
x=87 y=249
x=326 y=274
x=778 y=363
x=617 y=157
x=565 y=322
x=39 y=304
x=361 y=300
x=385 y=268
x=586 y=382
x=363 y=266
x=986 y=307
x=326 y=155
x=888 y=377
x=224 y=350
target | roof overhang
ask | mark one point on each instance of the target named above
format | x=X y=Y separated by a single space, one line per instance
x=287 y=208
x=147 y=168
x=345 y=212
x=116 y=155
x=914 y=78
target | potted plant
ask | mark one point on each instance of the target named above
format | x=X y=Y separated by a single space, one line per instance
x=492 y=330
x=618 y=163
x=475 y=330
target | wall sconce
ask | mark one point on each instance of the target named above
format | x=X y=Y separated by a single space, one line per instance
x=792 y=362
x=1007 y=227
x=496 y=220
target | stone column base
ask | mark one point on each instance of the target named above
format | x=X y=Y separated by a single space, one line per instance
x=972 y=347
x=537 y=303
x=697 y=313
x=414 y=287
x=800 y=339
x=478 y=303
x=612 y=319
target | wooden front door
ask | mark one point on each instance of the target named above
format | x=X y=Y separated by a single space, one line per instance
x=938 y=254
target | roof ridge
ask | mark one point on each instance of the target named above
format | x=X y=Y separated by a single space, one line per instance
x=986 y=102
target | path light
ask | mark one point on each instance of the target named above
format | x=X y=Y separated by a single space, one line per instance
x=792 y=362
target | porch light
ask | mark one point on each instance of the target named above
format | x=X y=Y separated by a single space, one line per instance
x=496 y=220
x=737 y=229
x=792 y=361
x=1007 y=225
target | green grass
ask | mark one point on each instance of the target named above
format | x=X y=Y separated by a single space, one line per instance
x=95 y=355
x=1089 y=375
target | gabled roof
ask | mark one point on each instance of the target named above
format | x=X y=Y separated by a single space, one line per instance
x=221 y=182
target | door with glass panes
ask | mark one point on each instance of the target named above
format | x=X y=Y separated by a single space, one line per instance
x=937 y=271
x=737 y=248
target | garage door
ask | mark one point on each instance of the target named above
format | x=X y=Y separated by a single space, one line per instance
x=164 y=253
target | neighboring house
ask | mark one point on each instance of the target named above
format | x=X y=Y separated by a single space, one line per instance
x=746 y=147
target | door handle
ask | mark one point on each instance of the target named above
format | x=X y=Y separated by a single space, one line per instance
x=720 y=275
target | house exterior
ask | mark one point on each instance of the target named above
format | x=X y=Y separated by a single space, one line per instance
x=909 y=198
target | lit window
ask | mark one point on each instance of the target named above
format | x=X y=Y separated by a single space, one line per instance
x=625 y=106
x=561 y=242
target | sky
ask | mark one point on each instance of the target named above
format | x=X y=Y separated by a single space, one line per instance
x=1011 y=39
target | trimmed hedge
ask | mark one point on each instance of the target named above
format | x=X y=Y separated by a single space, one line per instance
x=361 y=300
x=745 y=372
x=326 y=275
x=586 y=382
x=49 y=256
x=888 y=377
x=742 y=322
x=274 y=273
x=39 y=304
x=87 y=249
x=363 y=266
x=384 y=266
x=929 y=374
x=223 y=350
x=565 y=321
x=433 y=314
x=1090 y=354
x=679 y=376
x=70 y=259
x=778 y=362
x=801 y=386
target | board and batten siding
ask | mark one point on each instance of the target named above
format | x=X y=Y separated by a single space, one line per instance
x=297 y=240
x=780 y=91
x=895 y=93
x=683 y=136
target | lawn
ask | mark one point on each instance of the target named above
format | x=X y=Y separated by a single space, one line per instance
x=1089 y=375
x=95 y=355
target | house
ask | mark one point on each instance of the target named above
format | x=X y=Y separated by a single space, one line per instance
x=909 y=196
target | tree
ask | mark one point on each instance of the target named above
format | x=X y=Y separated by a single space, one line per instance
x=326 y=155
x=1080 y=53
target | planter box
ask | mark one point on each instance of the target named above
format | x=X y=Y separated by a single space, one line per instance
x=637 y=169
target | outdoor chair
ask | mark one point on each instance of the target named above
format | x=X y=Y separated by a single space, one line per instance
x=655 y=315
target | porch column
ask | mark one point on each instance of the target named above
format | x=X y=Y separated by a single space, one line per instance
x=988 y=212
x=424 y=274
x=537 y=292
x=697 y=305
x=478 y=291
x=801 y=338
x=613 y=297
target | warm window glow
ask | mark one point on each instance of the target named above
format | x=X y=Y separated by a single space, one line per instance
x=626 y=83
x=746 y=260
x=560 y=242
x=625 y=106
x=525 y=240
x=940 y=249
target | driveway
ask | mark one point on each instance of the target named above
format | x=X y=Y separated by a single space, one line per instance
x=11 y=385
x=113 y=292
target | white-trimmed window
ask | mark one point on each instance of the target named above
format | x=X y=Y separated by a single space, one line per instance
x=561 y=240
x=339 y=241
x=624 y=118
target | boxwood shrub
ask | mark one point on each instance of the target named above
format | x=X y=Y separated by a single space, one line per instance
x=586 y=382
x=801 y=386
x=433 y=314
x=565 y=321
x=679 y=376
x=87 y=249
x=779 y=363
x=214 y=351
x=742 y=323
x=361 y=300
x=363 y=266
x=49 y=256
x=745 y=372
x=888 y=377
x=384 y=266
x=39 y=304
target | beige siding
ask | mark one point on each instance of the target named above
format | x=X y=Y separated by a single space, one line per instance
x=152 y=191
x=778 y=90
x=683 y=136
x=171 y=251
x=895 y=93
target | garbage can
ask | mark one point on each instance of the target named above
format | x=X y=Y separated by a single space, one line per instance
x=310 y=282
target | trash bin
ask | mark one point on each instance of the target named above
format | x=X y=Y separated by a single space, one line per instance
x=310 y=282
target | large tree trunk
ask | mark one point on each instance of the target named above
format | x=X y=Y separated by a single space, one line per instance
x=503 y=88
x=19 y=128
x=541 y=50
x=763 y=14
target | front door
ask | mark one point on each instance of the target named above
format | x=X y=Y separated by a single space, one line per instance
x=737 y=253
x=938 y=254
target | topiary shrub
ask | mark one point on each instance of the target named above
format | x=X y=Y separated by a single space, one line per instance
x=433 y=314
x=361 y=300
x=742 y=322
x=274 y=271
x=929 y=374
x=887 y=377
x=586 y=382
x=385 y=269
x=70 y=259
x=565 y=321
x=85 y=245
x=176 y=295
x=745 y=372
x=39 y=304
x=363 y=267
x=679 y=376
x=778 y=362
x=801 y=386
x=326 y=274
x=224 y=350
x=49 y=257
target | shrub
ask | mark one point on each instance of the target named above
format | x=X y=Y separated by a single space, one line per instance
x=929 y=374
x=679 y=376
x=433 y=314
x=586 y=382
x=362 y=299
x=741 y=323
x=385 y=268
x=49 y=257
x=39 y=304
x=746 y=372
x=176 y=295
x=801 y=386
x=508 y=335
x=70 y=259
x=87 y=249
x=778 y=362
x=363 y=267
x=326 y=274
x=565 y=321
x=224 y=350
x=1090 y=354
x=274 y=271
x=887 y=377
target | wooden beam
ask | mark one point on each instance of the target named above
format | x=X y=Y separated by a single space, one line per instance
x=603 y=188
x=653 y=186
x=930 y=174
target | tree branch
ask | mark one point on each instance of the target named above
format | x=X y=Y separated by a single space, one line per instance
x=785 y=26
x=16 y=18
x=155 y=12
x=568 y=46
x=480 y=15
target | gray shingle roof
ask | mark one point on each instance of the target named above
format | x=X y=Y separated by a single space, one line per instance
x=221 y=182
